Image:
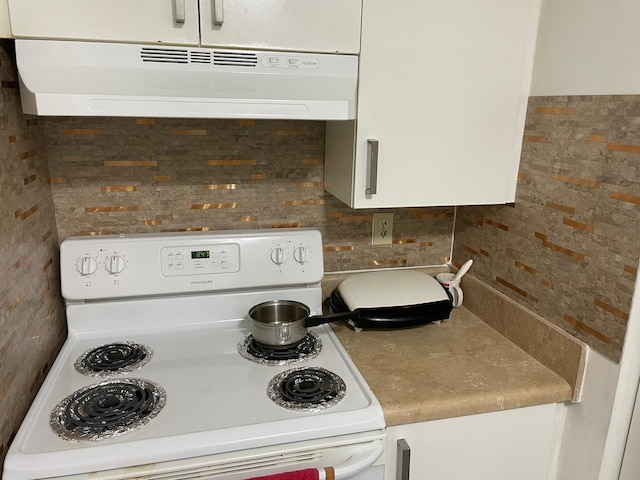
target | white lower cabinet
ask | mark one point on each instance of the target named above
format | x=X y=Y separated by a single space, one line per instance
x=517 y=444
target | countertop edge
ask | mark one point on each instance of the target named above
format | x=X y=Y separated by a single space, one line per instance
x=556 y=393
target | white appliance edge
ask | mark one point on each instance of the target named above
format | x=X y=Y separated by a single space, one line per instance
x=111 y=79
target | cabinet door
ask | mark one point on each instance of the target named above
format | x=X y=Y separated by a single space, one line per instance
x=443 y=88
x=507 y=445
x=144 y=21
x=5 y=28
x=300 y=25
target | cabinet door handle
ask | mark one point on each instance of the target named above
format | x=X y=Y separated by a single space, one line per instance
x=372 y=175
x=218 y=12
x=403 y=461
x=179 y=12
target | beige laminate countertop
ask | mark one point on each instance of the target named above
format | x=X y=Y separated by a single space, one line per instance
x=458 y=367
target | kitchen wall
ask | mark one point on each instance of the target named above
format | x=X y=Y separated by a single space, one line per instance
x=568 y=248
x=111 y=175
x=32 y=325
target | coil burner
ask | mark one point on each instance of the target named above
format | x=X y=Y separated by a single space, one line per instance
x=306 y=389
x=107 y=409
x=309 y=347
x=113 y=358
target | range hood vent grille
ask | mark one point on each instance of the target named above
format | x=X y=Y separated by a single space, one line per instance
x=238 y=59
x=199 y=56
x=184 y=56
x=164 y=55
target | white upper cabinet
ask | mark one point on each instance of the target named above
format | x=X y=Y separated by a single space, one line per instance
x=443 y=91
x=5 y=27
x=300 y=25
x=143 y=21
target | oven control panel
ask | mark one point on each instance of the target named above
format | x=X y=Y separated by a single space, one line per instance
x=119 y=266
x=200 y=260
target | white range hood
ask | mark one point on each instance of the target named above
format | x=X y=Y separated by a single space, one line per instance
x=109 y=79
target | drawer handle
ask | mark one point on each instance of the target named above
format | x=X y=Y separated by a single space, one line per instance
x=218 y=12
x=403 y=461
x=179 y=11
x=372 y=175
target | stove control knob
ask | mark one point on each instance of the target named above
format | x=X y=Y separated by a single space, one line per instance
x=115 y=264
x=300 y=255
x=278 y=256
x=87 y=266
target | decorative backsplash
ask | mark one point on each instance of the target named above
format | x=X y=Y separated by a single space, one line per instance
x=32 y=324
x=112 y=175
x=568 y=248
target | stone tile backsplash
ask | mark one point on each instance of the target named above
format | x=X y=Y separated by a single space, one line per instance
x=568 y=248
x=32 y=324
x=112 y=175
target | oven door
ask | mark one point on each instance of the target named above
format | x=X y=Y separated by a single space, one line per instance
x=348 y=457
x=339 y=458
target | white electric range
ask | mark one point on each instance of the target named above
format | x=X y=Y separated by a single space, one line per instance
x=160 y=378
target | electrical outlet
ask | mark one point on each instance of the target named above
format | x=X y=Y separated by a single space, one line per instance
x=382 y=229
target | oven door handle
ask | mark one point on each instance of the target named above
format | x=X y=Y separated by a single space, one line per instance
x=356 y=463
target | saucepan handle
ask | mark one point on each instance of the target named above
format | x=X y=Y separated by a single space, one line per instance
x=332 y=317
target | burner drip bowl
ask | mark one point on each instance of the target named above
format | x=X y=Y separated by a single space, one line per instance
x=113 y=358
x=309 y=347
x=306 y=389
x=107 y=409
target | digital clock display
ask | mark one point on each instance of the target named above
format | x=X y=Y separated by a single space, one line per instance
x=200 y=254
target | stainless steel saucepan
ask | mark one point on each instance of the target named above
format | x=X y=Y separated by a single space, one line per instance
x=283 y=323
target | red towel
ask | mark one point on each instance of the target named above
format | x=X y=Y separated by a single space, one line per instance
x=308 y=474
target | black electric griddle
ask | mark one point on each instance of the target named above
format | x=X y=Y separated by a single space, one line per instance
x=391 y=299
